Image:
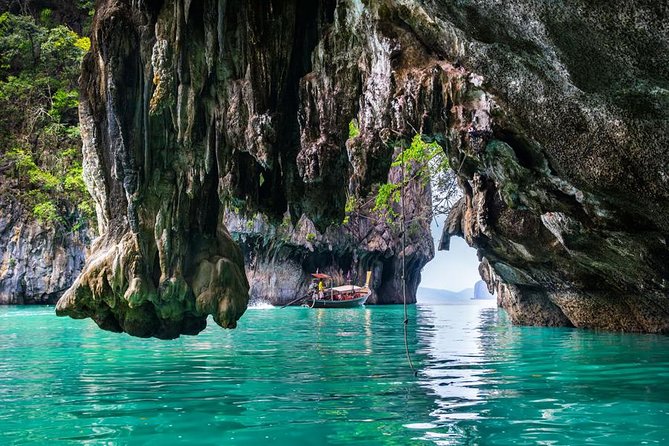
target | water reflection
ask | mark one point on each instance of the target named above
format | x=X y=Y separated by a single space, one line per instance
x=493 y=382
x=450 y=337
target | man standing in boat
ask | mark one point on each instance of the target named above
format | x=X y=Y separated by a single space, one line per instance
x=321 y=288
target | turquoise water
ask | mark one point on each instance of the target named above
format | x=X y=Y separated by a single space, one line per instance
x=313 y=377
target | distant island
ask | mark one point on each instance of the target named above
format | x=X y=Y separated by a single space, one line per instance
x=434 y=295
x=481 y=291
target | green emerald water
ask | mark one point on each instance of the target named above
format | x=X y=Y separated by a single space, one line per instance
x=299 y=376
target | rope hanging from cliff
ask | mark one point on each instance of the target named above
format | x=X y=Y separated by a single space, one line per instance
x=404 y=287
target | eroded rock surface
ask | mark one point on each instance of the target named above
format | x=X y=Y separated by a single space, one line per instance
x=38 y=263
x=189 y=105
x=554 y=116
x=280 y=258
x=567 y=187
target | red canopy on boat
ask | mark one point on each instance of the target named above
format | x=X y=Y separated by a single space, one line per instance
x=321 y=276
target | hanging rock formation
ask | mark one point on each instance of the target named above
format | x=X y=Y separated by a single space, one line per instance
x=189 y=105
x=554 y=117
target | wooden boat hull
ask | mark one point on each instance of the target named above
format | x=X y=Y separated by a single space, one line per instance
x=327 y=303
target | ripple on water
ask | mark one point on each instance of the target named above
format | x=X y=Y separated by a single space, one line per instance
x=301 y=376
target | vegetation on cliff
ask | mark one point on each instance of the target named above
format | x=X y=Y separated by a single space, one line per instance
x=423 y=160
x=40 y=156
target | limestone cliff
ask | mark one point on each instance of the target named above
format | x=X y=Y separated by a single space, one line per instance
x=44 y=226
x=567 y=185
x=191 y=105
x=38 y=262
x=554 y=117
x=280 y=258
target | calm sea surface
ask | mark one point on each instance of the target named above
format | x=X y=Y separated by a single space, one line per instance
x=299 y=376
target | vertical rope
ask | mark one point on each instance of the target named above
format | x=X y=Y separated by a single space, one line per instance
x=404 y=287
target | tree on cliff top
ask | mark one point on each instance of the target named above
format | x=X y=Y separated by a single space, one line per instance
x=423 y=161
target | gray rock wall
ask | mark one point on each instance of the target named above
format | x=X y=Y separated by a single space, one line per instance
x=554 y=115
x=567 y=183
x=37 y=263
x=280 y=258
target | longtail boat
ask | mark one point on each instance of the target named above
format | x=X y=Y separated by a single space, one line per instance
x=344 y=296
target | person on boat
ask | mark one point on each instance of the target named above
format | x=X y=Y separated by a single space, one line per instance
x=321 y=288
x=313 y=287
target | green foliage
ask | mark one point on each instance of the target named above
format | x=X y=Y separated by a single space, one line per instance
x=350 y=204
x=286 y=223
x=39 y=50
x=74 y=179
x=83 y=43
x=387 y=194
x=43 y=180
x=86 y=213
x=86 y=210
x=18 y=35
x=25 y=166
x=46 y=17
x=22 y=160
x=50 y=190
x=63 y=101
x=353 y=129
x=46 y=212
x=14 y=87
x=39 y=70
x=420 y=154
x=421 y=161
x=87 y=5
x=61 y=51
x=311 y=237
x=350 y=207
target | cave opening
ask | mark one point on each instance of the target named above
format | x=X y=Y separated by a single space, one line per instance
x=451 y=275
